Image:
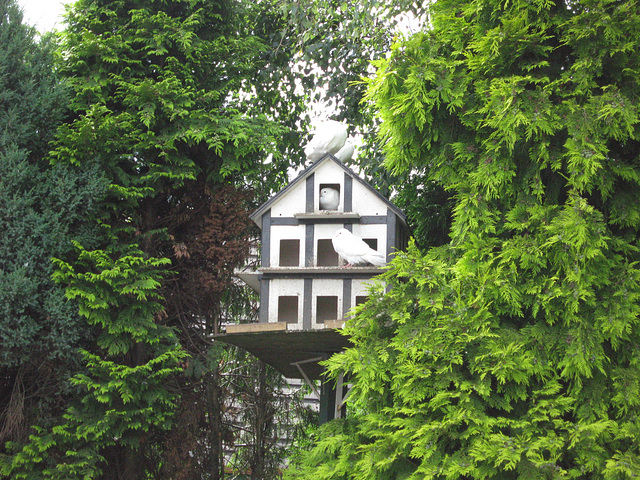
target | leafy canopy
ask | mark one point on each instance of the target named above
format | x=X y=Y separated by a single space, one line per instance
x=42 y=209
x=509 y=352
x=156 y=108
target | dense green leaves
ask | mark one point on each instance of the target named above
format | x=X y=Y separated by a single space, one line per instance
x=124 y=381
x=43 y=209
x=164 y=119
x=511 y=351
x=156 y=101
x=119 y=296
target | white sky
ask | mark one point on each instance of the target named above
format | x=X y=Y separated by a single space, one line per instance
x=45 y=15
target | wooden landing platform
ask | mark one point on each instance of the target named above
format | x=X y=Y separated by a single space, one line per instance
x=282 y=349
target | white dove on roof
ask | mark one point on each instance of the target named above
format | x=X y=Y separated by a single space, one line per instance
x=345 y=153
x=329 y=137
x=355 y=250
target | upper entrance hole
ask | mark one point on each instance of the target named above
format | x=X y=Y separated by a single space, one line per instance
x=329 y=196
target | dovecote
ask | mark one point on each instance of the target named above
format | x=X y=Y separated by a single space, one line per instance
x=302 y=283
x=305 y=290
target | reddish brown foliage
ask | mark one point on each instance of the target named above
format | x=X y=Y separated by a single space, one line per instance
x=209 y=236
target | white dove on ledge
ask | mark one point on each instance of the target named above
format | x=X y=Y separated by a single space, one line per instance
x=354 y=250
x=329 y=137
x=329 y=198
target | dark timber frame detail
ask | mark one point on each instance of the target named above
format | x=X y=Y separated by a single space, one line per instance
x=308 y=245
x=348 y=192
x=265 y=246
x=363 y=220
x=264 y=300
x=346 y=296
x=306 y=308
x=310 y=184
x=354 y=272
x=391 y=232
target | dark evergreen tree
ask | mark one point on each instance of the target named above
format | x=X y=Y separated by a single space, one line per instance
x=511 y=351
x=42 y=208
x=163 y=105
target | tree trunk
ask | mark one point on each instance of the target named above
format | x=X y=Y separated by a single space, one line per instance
x=216 y=457
x=262 y=421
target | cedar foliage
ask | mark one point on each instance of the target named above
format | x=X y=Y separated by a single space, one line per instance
x=43 y=208
x=157 y=107
x=511 y=351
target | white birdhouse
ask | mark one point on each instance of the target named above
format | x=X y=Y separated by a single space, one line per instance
x=306 y=289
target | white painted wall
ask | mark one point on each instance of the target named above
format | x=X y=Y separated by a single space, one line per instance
x=321 y=231
x=292 y=202
x=321 y=287
x=365 y=202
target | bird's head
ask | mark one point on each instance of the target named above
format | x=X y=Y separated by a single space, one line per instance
x=341 y=233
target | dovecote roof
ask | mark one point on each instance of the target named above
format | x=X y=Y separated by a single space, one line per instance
x=257 y=215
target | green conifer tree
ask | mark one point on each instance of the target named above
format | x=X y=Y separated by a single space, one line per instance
x=42 y=208
x=511 y=351
x=157 y=108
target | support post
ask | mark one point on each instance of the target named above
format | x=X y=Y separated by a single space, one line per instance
x=309 y=383
x=327 y=400
x=340 y=390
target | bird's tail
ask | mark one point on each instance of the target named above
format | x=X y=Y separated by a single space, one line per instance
x=376 y=259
